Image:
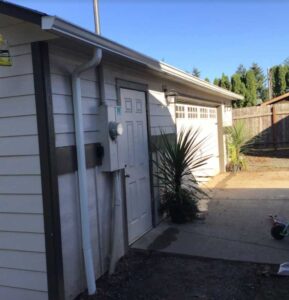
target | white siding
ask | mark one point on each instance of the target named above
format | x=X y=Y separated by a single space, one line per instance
x=99 y=207
x=62 y=62
x=22 y=244
x=161 y=115
x=161 y=118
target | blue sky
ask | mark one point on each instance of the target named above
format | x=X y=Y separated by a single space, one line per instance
x=214 y=36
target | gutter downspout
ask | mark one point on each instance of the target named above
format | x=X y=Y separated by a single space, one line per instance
x=81 y=163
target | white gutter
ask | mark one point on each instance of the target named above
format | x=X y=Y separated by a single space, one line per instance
x=66 y=29
x=81 y=163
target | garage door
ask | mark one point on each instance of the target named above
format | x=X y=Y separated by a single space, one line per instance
x=138 y=196
x=205 y=119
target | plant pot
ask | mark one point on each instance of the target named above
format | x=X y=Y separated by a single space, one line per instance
x=177 y=214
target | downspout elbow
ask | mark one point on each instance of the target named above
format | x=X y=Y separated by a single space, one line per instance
x=93 y=62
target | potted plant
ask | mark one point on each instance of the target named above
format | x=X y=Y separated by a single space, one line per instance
x=177 y=163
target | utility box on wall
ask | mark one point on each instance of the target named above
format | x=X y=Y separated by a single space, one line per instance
x=112 y=143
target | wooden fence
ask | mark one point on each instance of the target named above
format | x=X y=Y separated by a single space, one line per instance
x=267 y=125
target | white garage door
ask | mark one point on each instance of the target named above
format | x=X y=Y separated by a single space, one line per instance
x=138 y=197
x=205 y=119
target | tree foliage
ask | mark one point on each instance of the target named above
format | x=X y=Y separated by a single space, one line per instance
x=251 y=86
x=196 y=72
x=260 y=80
x=278 y=75
x=217 y=81
x=252 y=82
x=225 y=82
x=238 y=87
x=241 y=70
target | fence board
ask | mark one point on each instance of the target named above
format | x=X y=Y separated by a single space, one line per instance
x=267 y=125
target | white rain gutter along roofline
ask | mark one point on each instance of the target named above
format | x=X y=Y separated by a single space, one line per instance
x=61 y=27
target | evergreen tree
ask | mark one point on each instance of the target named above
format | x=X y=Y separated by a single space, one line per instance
x=251 y=93
x=272 y=72
x=196 y=72
x=217 y=81
x=286 y=61
x=287 y=81
x=241 y=70
x=225 y=82
x=265 y=94
x=279 y=80
x=207 y=79
x=236 y=83
x=260 y=80
x=237 y=86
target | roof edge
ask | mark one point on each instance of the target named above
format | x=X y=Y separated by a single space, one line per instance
x=276 y=99
x=21 y=12
x=66 y=29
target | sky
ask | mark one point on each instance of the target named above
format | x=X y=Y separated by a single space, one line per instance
x=213 y=35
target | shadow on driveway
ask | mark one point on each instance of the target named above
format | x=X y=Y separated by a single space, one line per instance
x=237 y=226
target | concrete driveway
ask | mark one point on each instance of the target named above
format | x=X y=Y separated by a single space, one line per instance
x=237 y=226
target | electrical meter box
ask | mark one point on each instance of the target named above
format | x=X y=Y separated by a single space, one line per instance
x=111 y=138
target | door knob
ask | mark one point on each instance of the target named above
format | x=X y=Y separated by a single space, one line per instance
x=126 y=175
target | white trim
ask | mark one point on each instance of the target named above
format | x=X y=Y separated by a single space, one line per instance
x=66 y=29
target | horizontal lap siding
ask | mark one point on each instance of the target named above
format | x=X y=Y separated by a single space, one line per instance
x=70 y=228
x=62 y=63
x=23 y=294
x=22 y=243
x=161 y=114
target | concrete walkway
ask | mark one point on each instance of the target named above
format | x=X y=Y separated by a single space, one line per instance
x=236 y=226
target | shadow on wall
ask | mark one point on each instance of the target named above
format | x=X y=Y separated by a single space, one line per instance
x=272 y=141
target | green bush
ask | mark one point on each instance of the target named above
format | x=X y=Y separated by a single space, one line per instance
x=238 y=145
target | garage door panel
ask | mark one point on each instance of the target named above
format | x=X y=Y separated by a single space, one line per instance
x=203 y=119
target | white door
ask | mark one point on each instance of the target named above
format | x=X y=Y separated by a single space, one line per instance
x=205 y=119
x=138 y=196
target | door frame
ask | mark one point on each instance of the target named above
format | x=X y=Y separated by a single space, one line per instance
x=140 y=87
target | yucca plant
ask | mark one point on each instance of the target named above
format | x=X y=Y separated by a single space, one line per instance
x=238 y=144
x=176 y=167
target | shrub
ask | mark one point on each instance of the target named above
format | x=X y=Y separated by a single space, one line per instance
x=177 y=164
x=238 y=145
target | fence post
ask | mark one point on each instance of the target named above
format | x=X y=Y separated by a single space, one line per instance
x=274 y=127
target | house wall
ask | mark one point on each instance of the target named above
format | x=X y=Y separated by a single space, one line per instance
x=22 y=243
x=161 y=117
x=62 y=63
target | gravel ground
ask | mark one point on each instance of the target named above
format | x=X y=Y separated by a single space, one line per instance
x=156 y=276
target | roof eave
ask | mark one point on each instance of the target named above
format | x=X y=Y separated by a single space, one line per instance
x=63 y=28
x=21 y=12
